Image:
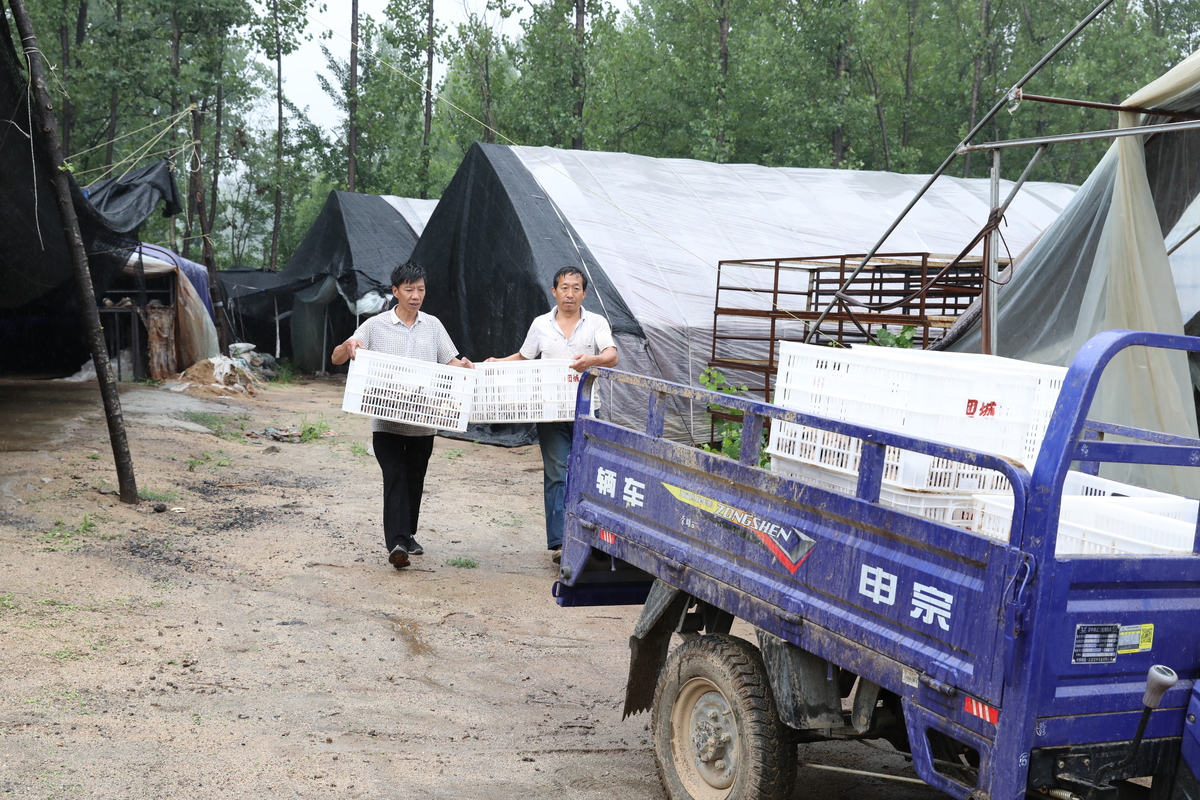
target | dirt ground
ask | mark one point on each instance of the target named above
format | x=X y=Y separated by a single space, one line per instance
x=252 y=641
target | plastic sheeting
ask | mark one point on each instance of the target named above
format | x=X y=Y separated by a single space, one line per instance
x=651 y=232
x=1104 y=265
x=125 y=202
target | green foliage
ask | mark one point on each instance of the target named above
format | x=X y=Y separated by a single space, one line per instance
x=223 y=426
x=157 y=496
x=904 y=339
x=462 y=562
x=311 y=430
x=286 y=372
x=359 y=449
x=729 y=432
x=872 y=84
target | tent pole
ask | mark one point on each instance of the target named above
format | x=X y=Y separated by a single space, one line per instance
x=74 y=240
x=276 y=300
x=1012 y=93
x=991 y=326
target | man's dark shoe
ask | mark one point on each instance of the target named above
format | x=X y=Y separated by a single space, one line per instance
x=398 y=558
x=414 y=548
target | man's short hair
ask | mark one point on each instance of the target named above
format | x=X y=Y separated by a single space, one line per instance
x=570 y=271
x=408 y=272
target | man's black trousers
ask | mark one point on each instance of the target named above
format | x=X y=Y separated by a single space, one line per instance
x=403 y=460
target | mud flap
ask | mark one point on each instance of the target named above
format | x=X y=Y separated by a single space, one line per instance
x=649 y=644
x=806 y=687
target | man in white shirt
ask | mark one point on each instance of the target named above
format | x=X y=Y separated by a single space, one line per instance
x=586 y=339
x=403 y=450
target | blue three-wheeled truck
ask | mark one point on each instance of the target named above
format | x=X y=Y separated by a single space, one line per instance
x=1005 y=670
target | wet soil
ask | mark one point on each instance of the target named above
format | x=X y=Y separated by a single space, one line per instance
x=252 y=641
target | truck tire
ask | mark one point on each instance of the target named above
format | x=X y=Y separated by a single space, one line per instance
x=717 y=735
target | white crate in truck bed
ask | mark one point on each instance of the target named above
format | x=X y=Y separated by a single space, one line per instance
x=986 y=403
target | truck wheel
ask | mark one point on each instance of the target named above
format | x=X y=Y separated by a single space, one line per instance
x=717 y=735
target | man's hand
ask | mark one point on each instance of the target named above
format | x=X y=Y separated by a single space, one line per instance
x=345 y=351
x=582 y=362
x=465 y=363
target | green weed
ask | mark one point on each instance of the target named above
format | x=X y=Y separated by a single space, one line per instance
x=453 y=454
x=59 y=537
x=158 y=496
x=286 y=373
x=224 y=426
x=903 y=339
x=359 y=449
x=87 y=525
x=462 y=562
x=310 y=431
x=94 y=456
x=8 y=602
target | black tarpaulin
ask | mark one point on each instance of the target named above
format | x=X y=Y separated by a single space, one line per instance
x=125 y=202
x=491 y=249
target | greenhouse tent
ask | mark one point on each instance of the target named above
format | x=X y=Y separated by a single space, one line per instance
x=1105 y=265
x=349 y=252
x=650 y=232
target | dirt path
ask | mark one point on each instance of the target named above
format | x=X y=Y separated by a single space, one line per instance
x=255 y=643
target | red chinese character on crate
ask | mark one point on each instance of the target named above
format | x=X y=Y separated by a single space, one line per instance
x=972 y=407
x=988 y=409
x=573 y=377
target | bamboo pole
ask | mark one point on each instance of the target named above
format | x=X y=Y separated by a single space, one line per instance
x=46 y=134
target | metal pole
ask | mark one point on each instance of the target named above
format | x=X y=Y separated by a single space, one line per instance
x=990 y=286
x=1116 y=133
x=45 y=131
x=950 y=159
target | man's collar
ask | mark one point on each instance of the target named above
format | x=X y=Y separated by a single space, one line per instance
x=394 y=318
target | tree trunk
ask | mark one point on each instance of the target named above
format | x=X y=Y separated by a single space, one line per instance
x=577 y=74
x=984 y=13
x=908 y=74
x=218 y=127
x=272 y=264
x=113 y=99
x=352 y=101
x=425 y=155
x=176 y=35
x=64 y=41
x=217 y=155
x=722 y=79
x=49 y=142
x=887 y=155
x=196 y=199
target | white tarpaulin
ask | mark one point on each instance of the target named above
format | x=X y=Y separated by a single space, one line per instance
x=658 y=227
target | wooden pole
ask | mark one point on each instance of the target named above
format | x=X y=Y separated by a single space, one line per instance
x=46 y=135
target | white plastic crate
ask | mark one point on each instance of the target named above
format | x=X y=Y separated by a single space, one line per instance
x=957 y=510
x=1098 y=525
x=1094 y=486
x=541 y=390
x=986 y=403
x=406 y=390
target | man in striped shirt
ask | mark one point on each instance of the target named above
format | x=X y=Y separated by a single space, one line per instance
x=586 y=339
x=403 y=450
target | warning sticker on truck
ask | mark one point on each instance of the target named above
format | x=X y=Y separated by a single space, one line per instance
x=1101 y=644
x=789 y=545
x=1135 y=639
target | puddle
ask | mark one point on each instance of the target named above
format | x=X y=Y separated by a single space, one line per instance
x=409 y=631
x=38 y=415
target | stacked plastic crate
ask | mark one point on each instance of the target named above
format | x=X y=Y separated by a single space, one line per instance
x=987 y=403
